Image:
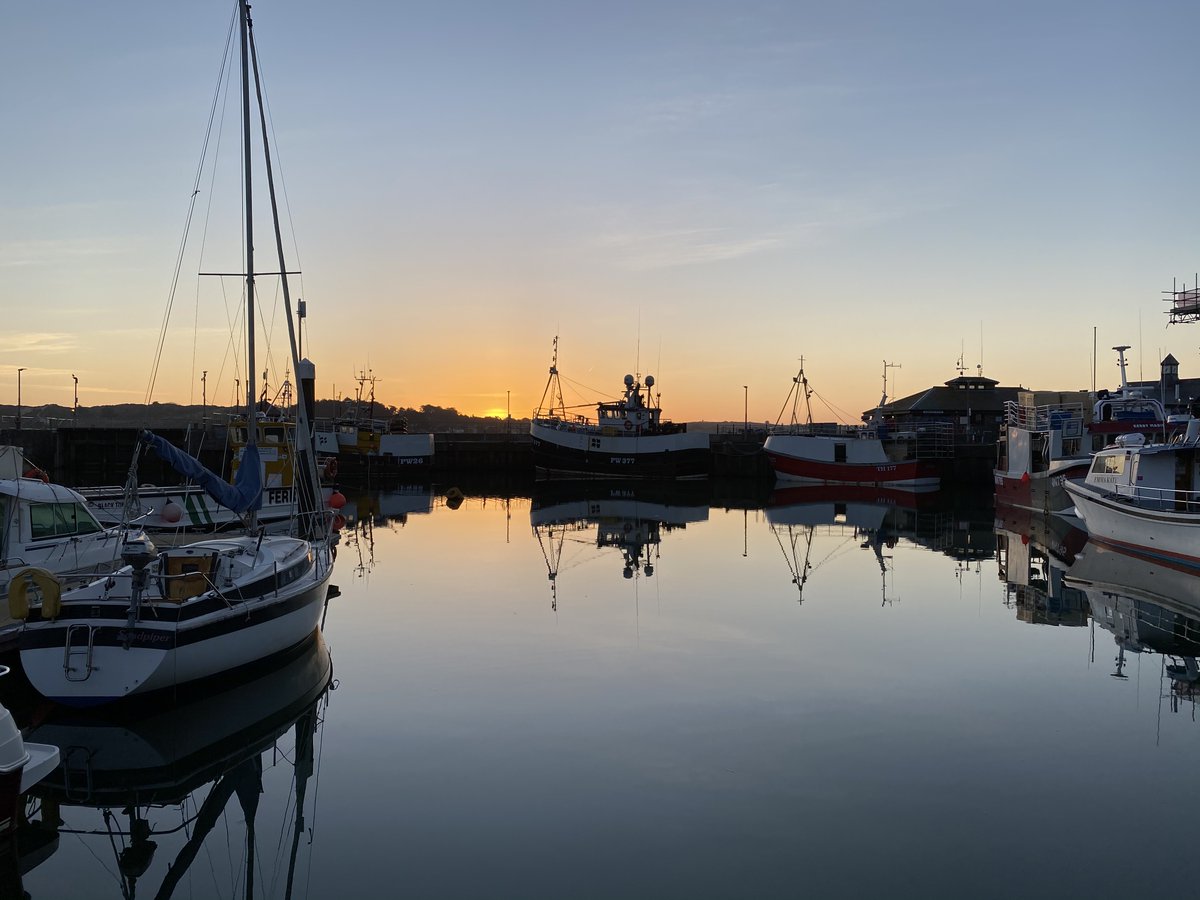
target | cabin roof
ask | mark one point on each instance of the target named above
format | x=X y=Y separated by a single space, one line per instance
x=37 y=491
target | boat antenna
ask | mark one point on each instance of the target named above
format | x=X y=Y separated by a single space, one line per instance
x=887 y=365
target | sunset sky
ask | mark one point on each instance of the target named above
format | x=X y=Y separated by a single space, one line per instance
x=701 y=191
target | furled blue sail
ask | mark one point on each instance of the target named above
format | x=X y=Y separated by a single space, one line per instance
x=242 y=496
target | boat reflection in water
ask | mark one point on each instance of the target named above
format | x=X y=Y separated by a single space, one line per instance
x=1033 y=552
x=951 y=524
x=165 y=776
x=1148 y=608
x=872 y=517
x=628 y=516
x=368 y=510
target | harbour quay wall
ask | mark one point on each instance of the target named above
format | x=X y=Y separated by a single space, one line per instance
x=89 y=456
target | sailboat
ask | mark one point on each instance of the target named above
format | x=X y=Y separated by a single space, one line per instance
x=167 y=618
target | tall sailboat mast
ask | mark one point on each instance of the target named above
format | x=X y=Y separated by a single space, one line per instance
x=251 y=419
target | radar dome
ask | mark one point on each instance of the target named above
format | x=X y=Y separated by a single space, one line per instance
x=628 y=381
x=649 y=381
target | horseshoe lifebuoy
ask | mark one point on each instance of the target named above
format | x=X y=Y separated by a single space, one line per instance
x=47 y=584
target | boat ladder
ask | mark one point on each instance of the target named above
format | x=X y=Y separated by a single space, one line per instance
x=77 y=654
x=77 y=774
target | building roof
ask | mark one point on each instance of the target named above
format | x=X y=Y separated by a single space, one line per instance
x=966 y=393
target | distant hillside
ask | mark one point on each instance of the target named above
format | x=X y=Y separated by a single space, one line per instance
x=427 y=418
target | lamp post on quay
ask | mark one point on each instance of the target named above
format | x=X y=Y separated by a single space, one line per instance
x=75 y=411
x=19 y=371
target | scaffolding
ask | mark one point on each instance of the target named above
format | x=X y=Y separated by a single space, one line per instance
x=1185 y=302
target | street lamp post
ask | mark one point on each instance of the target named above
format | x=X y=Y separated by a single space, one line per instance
x=204 y=399
x=75 y=409
x=746 y=410
x=19 y=371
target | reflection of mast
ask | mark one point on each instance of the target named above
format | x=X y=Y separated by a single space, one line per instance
x=306 y=729
x=249 y=770
x=798 y=569
x=874 y=539
x=552 y=553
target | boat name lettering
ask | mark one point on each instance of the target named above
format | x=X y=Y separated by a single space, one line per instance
x=145 y=637
x=621 y=460
x=279 y=496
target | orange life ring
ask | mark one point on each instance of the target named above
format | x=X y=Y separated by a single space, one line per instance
x=331 y=468
x=629 y=426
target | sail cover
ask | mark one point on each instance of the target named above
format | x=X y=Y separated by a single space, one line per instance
x=242 y=496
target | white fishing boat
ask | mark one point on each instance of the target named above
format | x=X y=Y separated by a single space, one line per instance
x=49 y=526
x=171 y=617
x=850 y=455
x=189 y=506
x=1144 y=499
x=365 y=442
x=628 y=438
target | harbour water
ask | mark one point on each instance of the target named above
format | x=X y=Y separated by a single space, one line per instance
x=630 y=695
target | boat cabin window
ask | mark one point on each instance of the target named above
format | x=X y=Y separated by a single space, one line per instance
x=1112 y=464
x=47 y=520
x=274 y=434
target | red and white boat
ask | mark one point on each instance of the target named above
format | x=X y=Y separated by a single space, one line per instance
x=842 y=454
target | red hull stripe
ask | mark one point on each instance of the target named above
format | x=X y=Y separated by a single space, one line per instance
x=850 y=473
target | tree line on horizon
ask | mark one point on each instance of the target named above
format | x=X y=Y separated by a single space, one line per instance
x=426 y=418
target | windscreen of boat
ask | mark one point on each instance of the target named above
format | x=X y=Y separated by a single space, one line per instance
x=49 y=520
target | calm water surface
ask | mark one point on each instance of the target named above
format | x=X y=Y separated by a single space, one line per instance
x=610 y=697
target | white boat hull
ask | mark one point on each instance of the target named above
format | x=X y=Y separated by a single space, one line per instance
x=88 y=656
x=1169 y=537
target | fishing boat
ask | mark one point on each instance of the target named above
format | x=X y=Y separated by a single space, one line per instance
x=868 y=455
x=1144 y=498
x=170 y=617
x=50 y=527
x=365 y=442
x=189 y=506
x=628 y=438
x=1049 y=438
